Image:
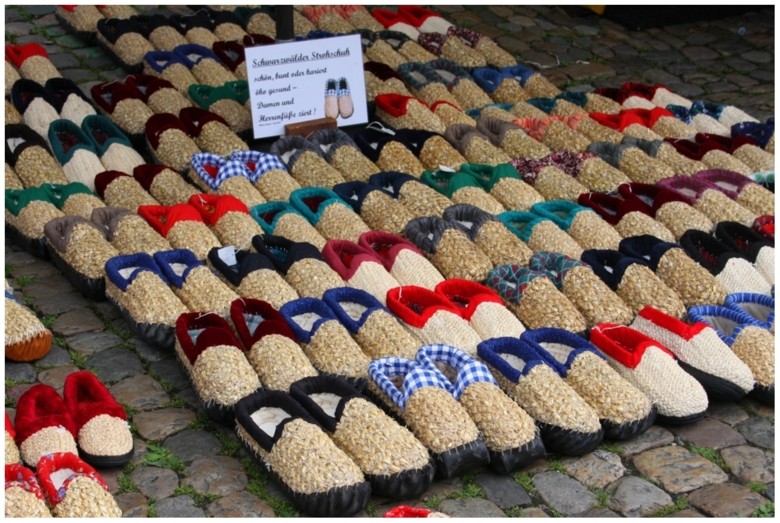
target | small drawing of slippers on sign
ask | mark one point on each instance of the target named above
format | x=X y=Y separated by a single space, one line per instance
x=331 y=100
x=346 y=108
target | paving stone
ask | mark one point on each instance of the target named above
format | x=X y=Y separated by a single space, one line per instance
x=726 y=500
x=654 y=437
x=178 y=507
x=190 y=397
x=56 y=356
x=634 y=497
x=587 y=30
x=441 y=489
x=758 y=431
x=20 y=372
x=112 y=365
x=624 y=50
x=700 y=53
x=687 y=513
x=758 y=57
x=582 y=71
x=147 y=351
x=39 y=10
x=133 y=505
x=525 y=21
x=155 y=482
x=219 y=475
x=750 y=464
x=172 y=372
x=59 y=303
x=564 y=494
x=599 y=512
x=471 y=508
x=106 y=310
x=503 y=491
x=64 y=61
x=720 y=87
x=140 y=450
x=770 y=491
x=709 y=433
x=55 y=377
x=687 y=90
x=762 y=75
x=595 y=469
x=92 y=342
x=240 y=505
x=512 y=44
x=658 y=76
x=534 y=512
x=191 y=445
x=18 y=28
x=728 y=412
x=159 y=424
x=140 y=392
x=701 y=38
x=538 y=59
x=677 y=469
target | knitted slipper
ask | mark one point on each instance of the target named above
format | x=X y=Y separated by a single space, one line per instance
x=475 y=146
x=462 y=188
x=390 y=152
x=700 y=353
x=630 y=217
x=758 y=306
x=73 y=198
x=75 y=152
x=540 y=233
x=359 y=267
x=306 y=162
x=319 y=478
x=326 y=342
x=24 y=497
x=378 y=209
x=26 y=338
x=111 y=145
x=80 y=250
x=632 y=280
x=43 y=425
x=706 y=197
x=377 y=331
x=128 y=232
x=522 y=373
x=228 y=217
x=104 y=437
x=405 y=262
x=449 y=248
x=217 y=175
x=74 y=489
x=210 y=131
x=251 y=275
x=585 y=227
x=216 y=363
x=32 y=62
x=343 y=154
x=119 y=189
x=30 y=100
x=592 y=297
x=124 y=104
x=282 y=219
x=122 y=39
x=432 y=317
x=29 y=155
x=301 y=264
x=329 y=214
x=396 y=22
x=26 y=213
x=169 y=141
x=750 y=244
x=482 y=308
x=650 y=367
x=734 y=272
x=752 y=344
x=623 y=410
x=183 y=227
x=692 y=282
x=504 y=184
x=171 y=67
x=135 y=285
x=421 y=398
x=404 y=112
x=489 y=234
x=741 y=189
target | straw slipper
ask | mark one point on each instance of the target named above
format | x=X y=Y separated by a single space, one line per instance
x=714 y=157
x=30 y=156
x=533 y=297
x=359 y=267
x=568 y=425
x=267 y=173
x=378 y=209
x=394 y=462
x=460 y=83
x=449 y=248
x=462 y=188
x=12 y=116
x=758 y=306
x=482 y=308
x=251 y=275
x=44 y=424
x=741 y=189
x=489 y=234
x=757 y=249
x=382 y=78
x=73 y=198
x=231 y=54
x=653 y=369
x=26 y=213
x=426 y=84
x=452 y=47
x=170 y=66
x=32 y=61
x=405 y=262
x=26 y=338
x=111 y=145
x=326 y=342
x=504 y=184
x=743 y=149
x=135 y=285
x=752 y=344
x=11 y=180
x=119 y=189
x=700 y=353
x=511 y=138
x=343 y=154
x=183 y=227
x=128 y=232
x=29 y=99
x=731 y=268
x=629 y=217
x=273 y=349
x=493 y=53
x=282 y=219
x=160 y=32
x=66 y=97
x=633 y=161
x=319 y=478
x=420 y=199
x=306 y=162
x=215 y=174
x=540 y=233
x=228 y=217
x=432 y=317
x=421 y=398
x=216 y=363
x=329 y=214
x=692 y=282
x=204 y=64
x=762 y=133
x=585 y=226
x=11 y=76
x=158 y=93
x=80 y=250
x=11 y=450
x=664 y=151
x=548 y=180
x=450 y=114
x=361 y=18
x=197 y=28
x=104 y=437
x=210 y=131
x=432 y=149
x=81 y=20
x=474 y=145
x=74 y=489
x=501 y=88
x=24 y=497
x=709 y=199
x=169 y=141
x=122 y=39
x=124 y=104
x=227 y=26
x=405 y=112
x=389 y=151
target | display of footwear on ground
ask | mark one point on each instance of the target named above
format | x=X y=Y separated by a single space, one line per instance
x=531 y=285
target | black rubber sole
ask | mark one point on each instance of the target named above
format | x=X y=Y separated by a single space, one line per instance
x=569 y=442
x=456 y=462
x=158 y=334
x=765 y=395
x=106 y=461
x=91 y=288
x=717 y=389
x=683 y=420
x=510 y=460
x=38 y=247
x=629 y=430
x=407 y=484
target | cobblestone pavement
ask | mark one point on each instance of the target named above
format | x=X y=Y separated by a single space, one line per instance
x=186 y=465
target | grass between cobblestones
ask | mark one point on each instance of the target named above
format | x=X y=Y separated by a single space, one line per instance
x=680 y=503
x=258 y=479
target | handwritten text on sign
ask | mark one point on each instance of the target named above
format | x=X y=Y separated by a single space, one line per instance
x=300 y=81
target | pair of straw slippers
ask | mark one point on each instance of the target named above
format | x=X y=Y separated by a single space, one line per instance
x=338 y=99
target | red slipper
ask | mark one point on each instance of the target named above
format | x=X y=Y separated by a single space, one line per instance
x=43 y=424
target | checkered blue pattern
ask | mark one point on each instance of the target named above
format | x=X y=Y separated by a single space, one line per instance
x=415 y=377
x=469 y=369
x=224 y=171
x=258 y=163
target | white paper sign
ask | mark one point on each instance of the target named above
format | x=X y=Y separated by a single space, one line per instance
x=301 y=81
